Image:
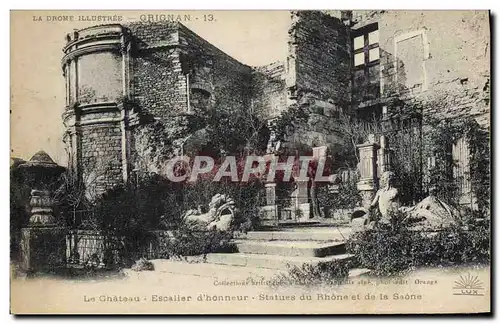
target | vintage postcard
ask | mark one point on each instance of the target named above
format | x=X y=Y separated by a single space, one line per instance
x=250 y=162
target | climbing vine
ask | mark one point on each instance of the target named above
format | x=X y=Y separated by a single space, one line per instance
x=440 y=137
x=287 y=120
x=479 y=150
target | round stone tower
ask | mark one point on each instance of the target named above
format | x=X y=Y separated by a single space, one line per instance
x=96 y=67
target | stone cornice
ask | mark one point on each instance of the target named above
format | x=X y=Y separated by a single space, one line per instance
x=70 y=120
x=92 y=33
x=113 y=37
x=114 y=46
x=98 y=107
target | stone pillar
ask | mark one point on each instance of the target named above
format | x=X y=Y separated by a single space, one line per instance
x=302 y=192
x=384 y=156
x=367 y=184
x=43 y=248
x=431 y=164
x=270 y=193
x=43 y=241
x=301 y=201
x=269 y=213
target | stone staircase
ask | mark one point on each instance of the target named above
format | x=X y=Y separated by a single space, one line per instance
x=266 y=253
x=274 y=249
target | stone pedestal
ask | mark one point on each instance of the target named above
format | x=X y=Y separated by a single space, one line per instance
x=305 y=212
x=269 y=213
x=302 y=192
x=268 y=216
x=270 y=194
x=367 y=196
x=43 y=248
x=43 y=243
x=367 y=184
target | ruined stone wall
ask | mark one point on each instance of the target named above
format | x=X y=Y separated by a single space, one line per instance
x=158 y=85
x=270 y=90
x=321 y=46
x=438 y=57
x=320 y=52
x=216 y=79
x=101 y=159
x=178 y=76
x=169 y=58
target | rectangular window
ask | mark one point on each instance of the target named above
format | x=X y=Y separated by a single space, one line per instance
x=366 y=62
x=366 y=46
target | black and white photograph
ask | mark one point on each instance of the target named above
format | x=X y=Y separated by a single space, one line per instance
x=250 y=162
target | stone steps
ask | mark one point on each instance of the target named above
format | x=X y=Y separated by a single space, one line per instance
x=306 y=234
x=265 y=254
x=291 y=248
x=271 y=261
x=277 y=248
x=216 y=271
x=212 y=270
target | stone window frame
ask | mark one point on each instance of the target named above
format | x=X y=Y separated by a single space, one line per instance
x=367 y=65
x=425 y=42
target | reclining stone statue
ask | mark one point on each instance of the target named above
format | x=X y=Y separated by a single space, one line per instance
x=220 y=215
x=429 y=214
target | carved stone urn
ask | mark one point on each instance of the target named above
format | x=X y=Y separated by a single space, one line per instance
x=40 y=173
x=43 y=242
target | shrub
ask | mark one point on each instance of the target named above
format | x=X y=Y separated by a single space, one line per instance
x=187 y=242
x=454 y=246
x=310 y=275
x=389 y=250
x=348 y=197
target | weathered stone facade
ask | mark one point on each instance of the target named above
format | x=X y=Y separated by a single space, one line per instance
x=319 y=62
x=120 y=77
x=439 y=58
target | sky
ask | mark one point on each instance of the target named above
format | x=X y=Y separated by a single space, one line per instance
x=37 y=85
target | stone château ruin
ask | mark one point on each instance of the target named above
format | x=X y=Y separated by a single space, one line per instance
x=371 y=65
x=362 y=63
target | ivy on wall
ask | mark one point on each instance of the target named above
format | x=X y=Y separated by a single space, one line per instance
x=440 y=136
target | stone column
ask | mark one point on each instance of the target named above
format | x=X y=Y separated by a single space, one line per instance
x=302 y=202
x=302 y=192
x=367 y=184
x=384 y=156
x=270 y=193
x=124 y=139
x=270 y=210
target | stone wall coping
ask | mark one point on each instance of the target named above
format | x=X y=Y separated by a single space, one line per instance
x=93 y=31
